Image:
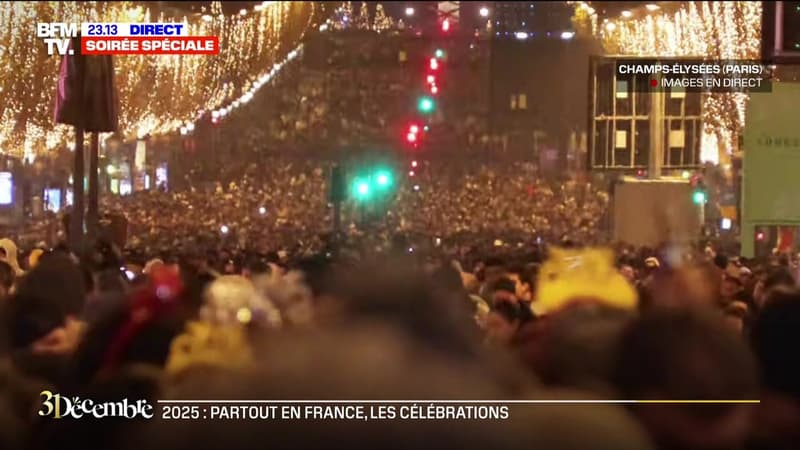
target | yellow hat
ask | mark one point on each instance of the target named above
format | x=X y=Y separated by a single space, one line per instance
x=33 y=258
x=579 y=275
x=205 y=344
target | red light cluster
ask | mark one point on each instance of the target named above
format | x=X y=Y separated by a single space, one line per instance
x=413 y=134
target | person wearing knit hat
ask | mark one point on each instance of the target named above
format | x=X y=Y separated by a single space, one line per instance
x=570 y=276
x=219 y=339
x=233 y=299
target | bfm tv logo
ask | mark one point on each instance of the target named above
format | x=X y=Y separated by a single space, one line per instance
x=60 y=407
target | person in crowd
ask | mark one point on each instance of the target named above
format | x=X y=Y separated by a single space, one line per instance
x=628 y=272
x=493 y=270
x=737 y=316
x=774 y=329
x=694 y=285
x=680 y=354
x=772 y=279
x=8 y=278
x=732 y=284
x=239 y=290
x=503 y=321
x=582 y=303
x=18 y=397
x=42 y=318
x=503 y=289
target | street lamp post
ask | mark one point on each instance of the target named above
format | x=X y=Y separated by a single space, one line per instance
x=93 y=208
x=76 y=215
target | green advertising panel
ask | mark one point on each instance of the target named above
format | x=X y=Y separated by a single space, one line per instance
x=771 y=165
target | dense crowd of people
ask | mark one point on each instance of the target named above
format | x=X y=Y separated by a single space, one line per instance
x=474 y=280
x=265 y=187
x=535 y=323
x=287 y=209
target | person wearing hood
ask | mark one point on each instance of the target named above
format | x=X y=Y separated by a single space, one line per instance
x=8 y=253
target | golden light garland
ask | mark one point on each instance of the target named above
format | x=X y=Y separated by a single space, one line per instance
x=709 y=30
x=158 y=94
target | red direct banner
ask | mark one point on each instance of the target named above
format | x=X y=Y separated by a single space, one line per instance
x=150 y=45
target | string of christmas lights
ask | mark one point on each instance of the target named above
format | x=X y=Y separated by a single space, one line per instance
x=158 y=94
x=710 y=30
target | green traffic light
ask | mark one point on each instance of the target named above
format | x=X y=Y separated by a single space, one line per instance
x=439 y=53
x=383 y=178
x=361 y=189
x=699 y=197
x=426 y=105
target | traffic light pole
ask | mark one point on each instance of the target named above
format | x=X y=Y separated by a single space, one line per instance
x=337 y=216
x=92 y=209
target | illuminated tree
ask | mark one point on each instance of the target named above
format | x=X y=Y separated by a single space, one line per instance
x=382 y=22
x=709 y=30
x=158 y=94
x=347 y=12
x=584 y=20
x=362 y=22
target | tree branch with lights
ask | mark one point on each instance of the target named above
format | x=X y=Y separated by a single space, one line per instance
x=707 y=30
x=158 y=94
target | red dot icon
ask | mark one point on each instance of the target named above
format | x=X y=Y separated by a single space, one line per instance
x=653 y=82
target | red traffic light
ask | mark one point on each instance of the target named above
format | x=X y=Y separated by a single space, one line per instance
x=431 y=79
x=446 y=25
x=434 y=89
x=413 y=164
x=434 y=64
x=413 y=129
x=411 y=137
